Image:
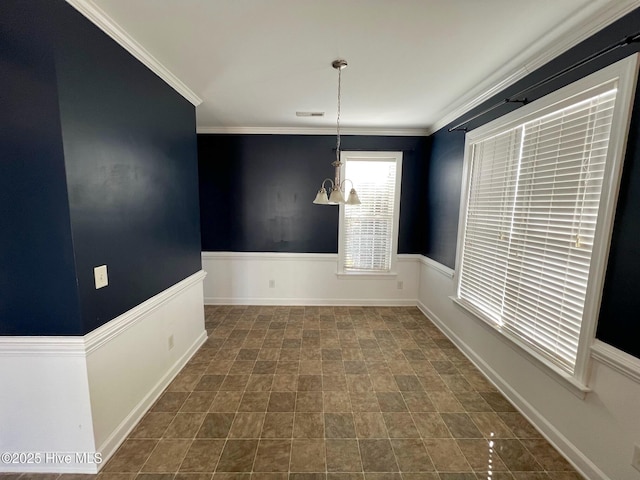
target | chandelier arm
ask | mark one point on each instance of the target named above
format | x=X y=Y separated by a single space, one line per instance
x=325 y=181
x=342 y=184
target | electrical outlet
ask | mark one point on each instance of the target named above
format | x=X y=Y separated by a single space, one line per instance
x=400 y=285
x=272 y=284
x=635 y=462
x=100 y=276
x=170 y=342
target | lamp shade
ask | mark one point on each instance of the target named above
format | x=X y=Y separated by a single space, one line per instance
x=353 y=198
x=321 y=197
x=336 y=197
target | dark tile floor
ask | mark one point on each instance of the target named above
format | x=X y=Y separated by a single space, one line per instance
x=330 y=393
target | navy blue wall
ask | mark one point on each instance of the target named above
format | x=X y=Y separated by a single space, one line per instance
x=131 y=160
x=621 y=297
x=443 y=197
x=256 y=191
x=37 y=274
x=130 y=198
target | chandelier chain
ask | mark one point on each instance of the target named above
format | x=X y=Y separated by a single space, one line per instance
x=335 y=195
x=338 y=119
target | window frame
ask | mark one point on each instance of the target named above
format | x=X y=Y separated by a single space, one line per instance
x=370 y=155
x=625 y=72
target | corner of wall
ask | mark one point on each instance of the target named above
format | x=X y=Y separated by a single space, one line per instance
x=83 y=395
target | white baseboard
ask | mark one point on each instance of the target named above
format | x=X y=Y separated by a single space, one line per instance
x=568 y=450
x=390 y=302
x=109 y=447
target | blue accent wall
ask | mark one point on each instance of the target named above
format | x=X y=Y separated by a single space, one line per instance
x=118 y=176
x=38 y=292
x=256 y=191
x=443 y=189
x=621 y=297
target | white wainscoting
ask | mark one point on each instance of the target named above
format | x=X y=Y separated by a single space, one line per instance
x=596 y=434
x=302 y=279
x=85 y=394
x=44 y=402
x=121 y=394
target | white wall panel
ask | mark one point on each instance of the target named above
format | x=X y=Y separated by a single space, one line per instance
x=130 y=370
x=302 y=279
x=596 y=433
x=68 y=395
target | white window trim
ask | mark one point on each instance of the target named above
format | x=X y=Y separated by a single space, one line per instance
x=344 y=158
x=625 y=71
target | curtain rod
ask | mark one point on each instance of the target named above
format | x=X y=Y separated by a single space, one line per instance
x=628 y=40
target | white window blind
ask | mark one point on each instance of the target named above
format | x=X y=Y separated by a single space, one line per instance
x=492 y=193
x=533 y=203
x=369 y=230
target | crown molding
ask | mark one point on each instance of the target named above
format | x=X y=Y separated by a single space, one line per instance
x=105 y=23
x=391 y=132
x=589 y=21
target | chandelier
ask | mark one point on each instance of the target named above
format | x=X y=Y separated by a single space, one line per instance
x=336 y=190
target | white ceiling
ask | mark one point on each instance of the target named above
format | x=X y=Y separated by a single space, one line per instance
x=412 y=63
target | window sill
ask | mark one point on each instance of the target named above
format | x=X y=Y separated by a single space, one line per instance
x=572 y=384
x=365 y=275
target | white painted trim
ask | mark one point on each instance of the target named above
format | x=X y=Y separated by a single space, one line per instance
x=252 y=256
x=330 y=257
x=275 y=278
x=620 y=361
x=589 y=21
x=365 y=275
x=97 y=398
x=42 y=347
x=623 y=75
x=437 y=266
x=345 y=157
x=408 y=257
x=118 y=325
x=98 y=17
x=381 y=132
x=288 y=301
x=570 y=452
x=626 y=71
x=563 y=378
x=400 y=258
x=45 y=468
x=119 y=435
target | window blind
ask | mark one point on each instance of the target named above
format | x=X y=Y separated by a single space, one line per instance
x=368 y=227
x=532 y=210
x=486 y=247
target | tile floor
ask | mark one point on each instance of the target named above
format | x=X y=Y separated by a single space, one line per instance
x=330 y=393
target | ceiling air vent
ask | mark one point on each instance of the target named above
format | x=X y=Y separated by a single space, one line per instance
x=309 y=114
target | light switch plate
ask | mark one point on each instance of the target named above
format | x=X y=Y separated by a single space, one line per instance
x=100 y=276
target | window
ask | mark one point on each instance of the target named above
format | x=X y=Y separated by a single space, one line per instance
x=537 y=216
x=369 y=232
